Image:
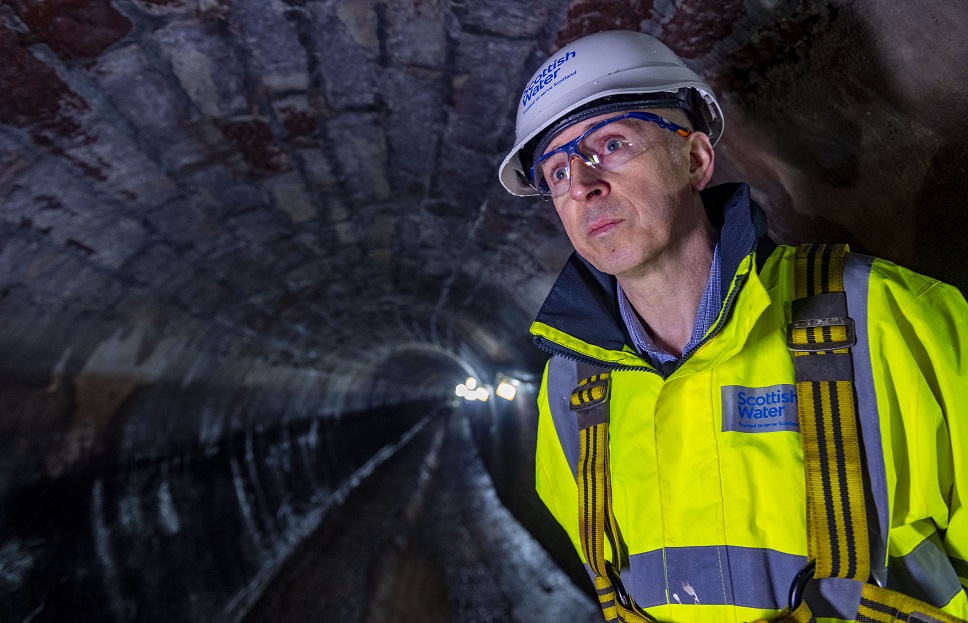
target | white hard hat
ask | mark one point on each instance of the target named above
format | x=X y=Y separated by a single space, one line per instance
x=609 y=68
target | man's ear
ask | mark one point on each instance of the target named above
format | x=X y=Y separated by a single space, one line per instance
x=701 y=160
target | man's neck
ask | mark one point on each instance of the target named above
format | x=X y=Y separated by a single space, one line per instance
x=667 y=293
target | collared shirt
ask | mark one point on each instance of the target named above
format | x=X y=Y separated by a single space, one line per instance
x=709 y=306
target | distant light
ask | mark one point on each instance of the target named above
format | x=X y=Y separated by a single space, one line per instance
x=471 y=391
x=506 y=390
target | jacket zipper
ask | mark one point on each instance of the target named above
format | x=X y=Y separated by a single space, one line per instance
x=571 y=355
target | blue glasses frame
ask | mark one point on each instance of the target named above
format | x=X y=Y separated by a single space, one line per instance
x=570 y=149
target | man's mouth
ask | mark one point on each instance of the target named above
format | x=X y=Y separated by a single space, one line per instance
x=602 y=226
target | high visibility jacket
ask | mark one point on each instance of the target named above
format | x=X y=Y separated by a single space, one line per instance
x=706 y=459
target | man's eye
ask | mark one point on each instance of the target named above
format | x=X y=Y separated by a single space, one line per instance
x=558 y=174
x=613 y=145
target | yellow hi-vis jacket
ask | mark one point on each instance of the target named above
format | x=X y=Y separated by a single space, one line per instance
x=706 y=459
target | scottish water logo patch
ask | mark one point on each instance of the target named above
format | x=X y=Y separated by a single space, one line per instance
x=760 y=409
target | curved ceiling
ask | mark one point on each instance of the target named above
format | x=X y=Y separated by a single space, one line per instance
x=304 y=182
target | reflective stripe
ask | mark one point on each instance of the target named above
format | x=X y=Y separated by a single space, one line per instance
x=834 y=598
x=562 y=379
x=717 y=575
x=926 y=573
x=760 y=578
x=857 y=269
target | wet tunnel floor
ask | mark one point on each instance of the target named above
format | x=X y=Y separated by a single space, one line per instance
x=424 y=538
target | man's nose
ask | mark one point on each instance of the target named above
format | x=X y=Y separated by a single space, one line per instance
x=586 y=180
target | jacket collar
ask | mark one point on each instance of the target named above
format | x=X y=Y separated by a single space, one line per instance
x=583 y=303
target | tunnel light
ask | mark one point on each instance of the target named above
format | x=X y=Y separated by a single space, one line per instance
x=506 y=390
x=507 y=386
x=471 y=391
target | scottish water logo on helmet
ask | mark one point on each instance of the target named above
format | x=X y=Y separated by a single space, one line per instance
x=599 y=66
x=546 y=79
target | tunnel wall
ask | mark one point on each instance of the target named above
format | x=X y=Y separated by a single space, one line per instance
x=189 y=537
x=505 y=433
x=151 y=473
x=154 y=468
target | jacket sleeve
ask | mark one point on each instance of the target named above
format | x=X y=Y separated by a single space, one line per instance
x=920 y=352
x=944 y=393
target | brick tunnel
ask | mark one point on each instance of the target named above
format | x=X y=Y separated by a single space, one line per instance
x=248 y=250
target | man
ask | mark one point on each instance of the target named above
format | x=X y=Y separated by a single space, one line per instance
x=675 y=427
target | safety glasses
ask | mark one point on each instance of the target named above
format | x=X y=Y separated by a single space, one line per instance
x=607 y=145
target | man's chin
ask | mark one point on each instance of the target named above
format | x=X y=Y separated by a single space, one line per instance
x=610 y=265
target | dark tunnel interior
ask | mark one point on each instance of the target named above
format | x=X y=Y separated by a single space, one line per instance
x=249 y=248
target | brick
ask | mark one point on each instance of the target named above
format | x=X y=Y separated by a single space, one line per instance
x=155 y=107
x=417 y=33
x=266 y=28
x=415 y=99
x=168 y=7
x=359 y=19
x=68 y=284
x=114 y=241
x=207 y=66
x=507 y=19
x=59 y=211
x=188 y=221
x=298 y=118
x=74 y=29
x=254 y=139
x=291 y=196
x=697 y=26
x=484 y=91
x=160 y=264
x=33 y=96
x=347 y=56
x=308 y=273
x=319 y=168
x=588 y=16
x=222 y=190
x=360 y=141
x=203 y=296
x=109 y=158
x=16 y=254
x=259 y=226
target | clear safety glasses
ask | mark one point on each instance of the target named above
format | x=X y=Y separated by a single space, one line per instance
x=607 y=145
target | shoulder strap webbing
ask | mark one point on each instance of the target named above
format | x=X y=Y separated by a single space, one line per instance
x=597 y=525
x=820 y=336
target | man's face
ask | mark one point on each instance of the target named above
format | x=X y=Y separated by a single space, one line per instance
x=623 y=221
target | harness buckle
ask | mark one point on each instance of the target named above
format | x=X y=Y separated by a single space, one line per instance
x=819 y=347
x=590 y=392
x=621 y=595
x=799 y=584
x=805 y=575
